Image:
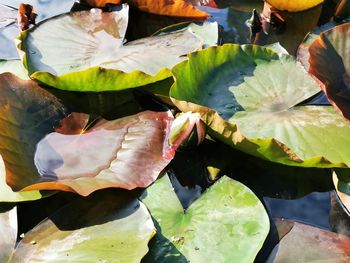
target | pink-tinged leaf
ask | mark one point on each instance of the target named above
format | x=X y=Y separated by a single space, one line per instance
x=126 y=153
x=129 y=152
x=303 y=243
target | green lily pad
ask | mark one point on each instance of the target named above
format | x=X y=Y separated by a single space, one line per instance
x=249 y=97
x=8 y=233
x=227 y=223
x=91 y=55
x=86 y=231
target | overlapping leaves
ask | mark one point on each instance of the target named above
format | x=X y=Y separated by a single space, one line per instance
x=91 y=55
x=227 y=223
x=249 y=97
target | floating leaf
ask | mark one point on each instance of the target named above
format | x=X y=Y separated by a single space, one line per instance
x=179 y=8
x=8 y=233
x=227 y=223
x=249 y=98
x=86 y=231
x=15 y=67
x=101 y=3
x=329 y=62
x=28 y=113
x=302 y=243
x=6 y=193
x=7 y=16
x=91 y=55
x=294 y=5
x=44 y=9
x=127 y=153
x=341 y=180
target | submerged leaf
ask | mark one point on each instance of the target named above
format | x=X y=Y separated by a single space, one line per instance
x=302 y=243
x=86 y=231
x=227 y=223
x=249 y=96
x=179 y=8
x=294 y=5
x=91 y=55
x=329 y=62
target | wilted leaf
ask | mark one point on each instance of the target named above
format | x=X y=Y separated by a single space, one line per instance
x=294 y=5
x=105 y=227
x=26 y=16
x=92 y=56
x=8 y=233
x=302 y=243
x=227 y=223
x=249 y=98
x=329 y=62
x=180 y=8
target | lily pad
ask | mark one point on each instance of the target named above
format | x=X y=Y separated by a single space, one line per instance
x=6 y=193
x=44 y=9
x=303 y=243
x=8 y=233
x=86 y=231
x=7 y=16
x=227 y=223
x=249 y=97
x=91 y=55
x=329 y=62
x=126 y=153
x=15 y=67
x=294 y=5
x=178 y=8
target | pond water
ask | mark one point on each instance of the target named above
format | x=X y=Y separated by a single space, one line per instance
x=300 y=194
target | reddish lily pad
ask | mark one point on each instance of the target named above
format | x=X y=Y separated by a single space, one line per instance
x=303 y=243
x=329 y=62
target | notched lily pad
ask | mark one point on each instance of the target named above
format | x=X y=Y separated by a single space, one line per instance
x=91 y=55
x=86 y=231
x=249 y=97
x=227 y=223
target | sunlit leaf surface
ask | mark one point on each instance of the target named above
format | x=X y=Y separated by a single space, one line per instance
x=294 y=5
x=91 y=55
x=105 y=227
x=329 y=62
x=226 y=223
x=181 y=8
x=303 y=243
x=8 y=233
x=249 y=98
